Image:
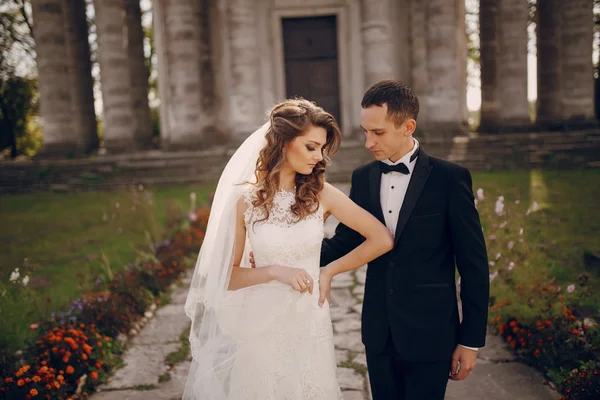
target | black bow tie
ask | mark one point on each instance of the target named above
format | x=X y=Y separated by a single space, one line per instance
x=402 y=168
x=385 y=168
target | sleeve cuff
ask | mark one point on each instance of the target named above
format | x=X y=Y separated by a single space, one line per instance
x=471 y=348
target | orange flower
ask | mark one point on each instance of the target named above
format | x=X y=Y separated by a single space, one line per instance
x=65 y=359
x=56 y=384
x=48 y=387
x=576 y=332
x=94 y=375
x=84 y=356
x=536 y=353
x=8 y=380
x=33 y=392
x=20 y=382
x=70 y=369
x=106 y=338
x=60 y=378
x=36 y=379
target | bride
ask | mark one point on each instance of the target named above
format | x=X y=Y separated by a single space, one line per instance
x=266 y=333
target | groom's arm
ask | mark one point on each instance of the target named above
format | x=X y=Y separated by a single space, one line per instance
x=471 y=260
x=344 y=240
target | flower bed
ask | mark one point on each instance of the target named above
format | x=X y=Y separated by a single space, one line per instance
x=78 y=349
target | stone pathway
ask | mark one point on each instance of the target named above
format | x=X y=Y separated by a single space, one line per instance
x=146 y=374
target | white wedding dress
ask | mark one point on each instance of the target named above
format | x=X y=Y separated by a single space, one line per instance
x=284 y=340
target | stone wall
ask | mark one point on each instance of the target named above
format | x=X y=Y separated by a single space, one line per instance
x=575 y=149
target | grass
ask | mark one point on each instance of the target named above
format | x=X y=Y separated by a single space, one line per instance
x=63 y=241
x=555 y=236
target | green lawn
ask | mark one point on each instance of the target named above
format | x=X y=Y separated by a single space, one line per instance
x=57 y=240
x=554 y=239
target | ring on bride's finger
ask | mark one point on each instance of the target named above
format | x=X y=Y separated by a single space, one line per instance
x=307 y=282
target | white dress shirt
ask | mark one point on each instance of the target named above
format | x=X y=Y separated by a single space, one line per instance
x=393 y=191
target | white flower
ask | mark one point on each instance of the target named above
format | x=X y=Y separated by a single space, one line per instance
x=571 y=288
x=500 y=206
x=117 y=205
x=26 y=280
x=511 y=244
x=535 y=206
x=492 y=263
x=480 y=194
x=503 y=224
x=15 y=275
x=517 y=201
x=521 y=232
x=511 y=266
x=493 y=276
x=105 y=217
x=498 y=256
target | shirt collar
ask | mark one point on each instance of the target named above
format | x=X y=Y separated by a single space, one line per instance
x=406 y=158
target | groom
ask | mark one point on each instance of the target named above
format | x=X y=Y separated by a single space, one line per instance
x=410 y=323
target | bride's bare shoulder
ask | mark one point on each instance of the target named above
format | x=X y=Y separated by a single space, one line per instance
x=329 y=195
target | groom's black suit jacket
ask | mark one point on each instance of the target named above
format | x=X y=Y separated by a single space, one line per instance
x=411 y=291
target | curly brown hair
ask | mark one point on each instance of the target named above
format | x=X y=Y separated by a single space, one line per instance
x=290 y=119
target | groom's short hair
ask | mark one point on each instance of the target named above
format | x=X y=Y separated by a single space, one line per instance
x=402 y=103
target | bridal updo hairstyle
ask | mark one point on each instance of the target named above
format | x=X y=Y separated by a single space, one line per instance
x=291 y=119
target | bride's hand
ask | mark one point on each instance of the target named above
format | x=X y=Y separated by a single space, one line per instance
x=297 y=278
x=325 y=286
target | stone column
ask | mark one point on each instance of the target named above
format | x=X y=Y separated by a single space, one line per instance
x=138 y=71
x=549 y=71
x=82 y=84
x=122 y=122
x=418 y=56
x=377 y=41
x=511 y=67
x=64 y=73
x=488 y=38
x=245 y=107
x=447 y=68
x=576 y=55
x=179 y=26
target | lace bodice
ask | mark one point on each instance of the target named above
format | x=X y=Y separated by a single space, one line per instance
x=282 y=239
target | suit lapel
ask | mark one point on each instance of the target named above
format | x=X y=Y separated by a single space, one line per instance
x=415 y=187
x=375 y=191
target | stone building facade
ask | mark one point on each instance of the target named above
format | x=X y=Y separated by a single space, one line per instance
x=223 y=63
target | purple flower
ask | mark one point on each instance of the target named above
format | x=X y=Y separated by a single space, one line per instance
x=192 y=216
x=493 y=276
x=97 y=282
x=571 y=288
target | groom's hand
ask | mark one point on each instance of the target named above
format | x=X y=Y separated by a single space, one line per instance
x=252 y=263
x=463 y=362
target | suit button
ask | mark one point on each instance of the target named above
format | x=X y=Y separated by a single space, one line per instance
x=391 y=291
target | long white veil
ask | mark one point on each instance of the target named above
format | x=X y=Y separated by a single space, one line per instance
x=213 y=351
